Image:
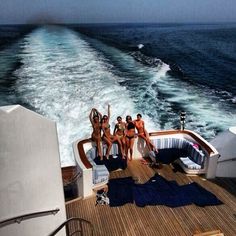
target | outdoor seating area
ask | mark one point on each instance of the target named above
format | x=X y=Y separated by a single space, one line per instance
x=194 y=155
x=101 y=168
x=189 y=155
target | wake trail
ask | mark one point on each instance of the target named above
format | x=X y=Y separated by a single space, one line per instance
x=63 y=78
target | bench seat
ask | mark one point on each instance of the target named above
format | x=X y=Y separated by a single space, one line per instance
x=100 y=171
x=194 y=162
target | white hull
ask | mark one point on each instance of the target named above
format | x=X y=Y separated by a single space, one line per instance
x=225 y=143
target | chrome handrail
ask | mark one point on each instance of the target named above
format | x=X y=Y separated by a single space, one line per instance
x=65 y=224
x=18 y=219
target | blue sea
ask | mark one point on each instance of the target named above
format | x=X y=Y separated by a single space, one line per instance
x=157 y=70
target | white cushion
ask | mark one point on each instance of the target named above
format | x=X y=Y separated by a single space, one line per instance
x=189 y=163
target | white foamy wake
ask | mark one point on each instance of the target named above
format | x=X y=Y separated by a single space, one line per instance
x=206 y=113
x=63 y=78
x=140 y=46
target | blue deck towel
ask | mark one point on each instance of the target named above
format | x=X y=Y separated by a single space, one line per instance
x=120 y=191
x=113 y=163
x=158 y=191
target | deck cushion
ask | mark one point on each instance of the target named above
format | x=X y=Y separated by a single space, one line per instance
x=188 y=163
x=175 y=144
x=100 y=169
x=101 y=174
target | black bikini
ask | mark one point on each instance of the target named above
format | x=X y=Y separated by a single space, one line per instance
x=130 y=126
x=129 y=137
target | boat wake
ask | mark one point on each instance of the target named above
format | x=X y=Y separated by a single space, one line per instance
x=65 y=80
x=64 y=74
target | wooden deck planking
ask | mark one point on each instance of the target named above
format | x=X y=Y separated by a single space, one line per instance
x=131 y=220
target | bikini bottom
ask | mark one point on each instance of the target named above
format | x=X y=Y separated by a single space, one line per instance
x=129 y=137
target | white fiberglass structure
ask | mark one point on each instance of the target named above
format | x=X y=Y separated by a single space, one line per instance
x=30 y=174
x=225 y=143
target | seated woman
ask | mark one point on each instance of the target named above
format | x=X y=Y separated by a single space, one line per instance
x=119 y=131
x=107 y=137
x=142 y=133
x=129 y=136
x=95 y=118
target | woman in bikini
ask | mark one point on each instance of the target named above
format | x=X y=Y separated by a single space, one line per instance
x=107 y=136
x=95 y=118
x=139 y=125
x=119 y=132
x=129 y=136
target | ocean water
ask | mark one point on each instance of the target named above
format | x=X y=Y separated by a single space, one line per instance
x=157 y=70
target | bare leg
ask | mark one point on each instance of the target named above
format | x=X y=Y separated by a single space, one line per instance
x=116 y=138
x=99 y=148
x=97 y=140
x=131 y=141
x=109 y=144
x=149 y=144
x=127 y=147
x=123 y=145
x=152 y=147
x=120 y=147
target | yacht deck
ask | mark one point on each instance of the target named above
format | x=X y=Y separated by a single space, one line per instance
x=131 y=220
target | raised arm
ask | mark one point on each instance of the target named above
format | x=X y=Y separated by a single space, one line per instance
x=99 y=114
x=114 y=132
x=108 y=111
x=91 y=115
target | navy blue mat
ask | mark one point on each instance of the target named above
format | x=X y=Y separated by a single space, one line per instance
x=169 y=155
x=120 y=191
x=158 y=191
x=113 y=163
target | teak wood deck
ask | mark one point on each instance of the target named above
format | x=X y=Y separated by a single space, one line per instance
x=131 y=220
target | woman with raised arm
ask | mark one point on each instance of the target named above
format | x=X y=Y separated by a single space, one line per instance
x=95 y=118
x=142 y=132
x=129 y=136
x=119 y=132
x=107 y=137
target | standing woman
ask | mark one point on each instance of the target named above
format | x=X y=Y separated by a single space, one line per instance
x=95 y=118
x=142 y=132
x=129 y=136
x=119 y=132
x=107 y=136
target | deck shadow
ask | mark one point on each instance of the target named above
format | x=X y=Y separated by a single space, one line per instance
x=229 y=184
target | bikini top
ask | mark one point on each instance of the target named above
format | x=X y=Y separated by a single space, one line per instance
x=120 y=127
x=139 y=124
x=107 y=126
x=130 y=126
